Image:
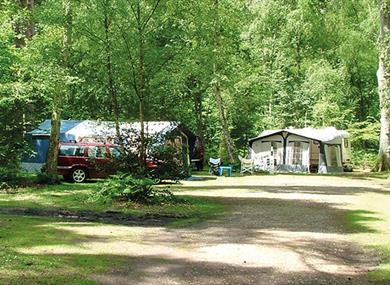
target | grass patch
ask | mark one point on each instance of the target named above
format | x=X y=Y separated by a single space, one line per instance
x=370 y=224
x=17 y=267
x=382 y=274
x=358 y=221
x=75 y=197
x=24 y=261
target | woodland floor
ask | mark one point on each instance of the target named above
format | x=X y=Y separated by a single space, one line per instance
x=277 y=229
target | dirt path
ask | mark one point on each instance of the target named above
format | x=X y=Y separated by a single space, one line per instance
x=279 y=230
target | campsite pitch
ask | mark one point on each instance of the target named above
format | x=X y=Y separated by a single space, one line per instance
x=277 y=229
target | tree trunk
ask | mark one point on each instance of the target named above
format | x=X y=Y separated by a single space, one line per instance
x=110 y=79
x=52 y=156
x=383 y=87
x=197 y=96
x=24 y=28
x=216 y=86
x=142 y=89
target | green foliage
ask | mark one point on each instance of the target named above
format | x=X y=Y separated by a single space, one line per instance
x=172 y=162
x=11 y=179
x=123 y=187
x=282 y=63
x=365 y=142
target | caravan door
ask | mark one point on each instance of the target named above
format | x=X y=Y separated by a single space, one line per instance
x=297 y=153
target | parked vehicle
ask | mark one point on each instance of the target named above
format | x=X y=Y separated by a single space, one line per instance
x=80 y=161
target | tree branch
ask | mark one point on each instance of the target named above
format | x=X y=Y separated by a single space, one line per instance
x=133 y=10
x=151 y=14
x=130 y=58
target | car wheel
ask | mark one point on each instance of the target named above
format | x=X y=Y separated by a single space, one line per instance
x=79 y=175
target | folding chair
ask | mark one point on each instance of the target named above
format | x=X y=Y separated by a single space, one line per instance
x=214 y=164
x=247 y=165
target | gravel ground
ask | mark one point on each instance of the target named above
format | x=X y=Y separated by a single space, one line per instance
x=278 y=230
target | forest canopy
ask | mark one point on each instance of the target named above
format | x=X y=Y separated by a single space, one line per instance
x=268 y=63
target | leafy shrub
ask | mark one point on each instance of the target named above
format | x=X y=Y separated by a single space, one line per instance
x=12 y=178
x=364 y=158
x=171 y=163
x=8 y=174
x=124 y=187
x=365 y=142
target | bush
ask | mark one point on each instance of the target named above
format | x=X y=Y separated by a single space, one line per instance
x=170 y=163
x=12 y=178
x=364 y=158
x=123 y=187
x=8 y=174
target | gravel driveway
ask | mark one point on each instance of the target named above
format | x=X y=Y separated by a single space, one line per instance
x=278 y=229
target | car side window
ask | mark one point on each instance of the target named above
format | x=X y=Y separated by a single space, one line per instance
x=115 y=152
x=71 y=150
x=97 y=152
x=79 y=151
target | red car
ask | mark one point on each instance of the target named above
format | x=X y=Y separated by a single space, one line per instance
x=79 y=161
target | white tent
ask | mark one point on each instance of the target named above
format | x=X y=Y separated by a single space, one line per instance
x=301 y=150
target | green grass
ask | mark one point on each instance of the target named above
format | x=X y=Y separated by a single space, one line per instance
x=18 y=267
x=369 y=221
x=76 y=197
x=19 y=234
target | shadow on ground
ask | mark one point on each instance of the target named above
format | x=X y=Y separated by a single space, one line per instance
x=318 y=190
x=271 y=241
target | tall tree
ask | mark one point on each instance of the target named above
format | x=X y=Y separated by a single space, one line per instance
x=216 y=84
x=107 y=11
x=23 y=25
x=59 y=91
x=384 y=85
x=141 y=49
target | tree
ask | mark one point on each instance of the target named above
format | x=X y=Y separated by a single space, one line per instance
x=384 y=86
x=145 y=50
x=111 y=86
x=59 y=91
x=216 y=84
x=23 y=24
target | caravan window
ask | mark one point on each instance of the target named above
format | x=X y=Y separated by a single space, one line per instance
x=297 y=154
x=346 y=143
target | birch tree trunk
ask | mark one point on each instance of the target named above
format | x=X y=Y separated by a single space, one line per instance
x=52 y=156
x=383 y=86
x=217 y=88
